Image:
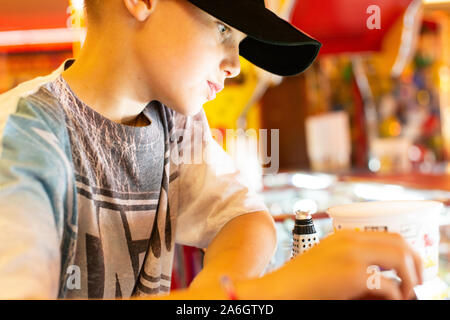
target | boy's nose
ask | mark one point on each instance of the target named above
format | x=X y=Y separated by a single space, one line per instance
x=232 y=65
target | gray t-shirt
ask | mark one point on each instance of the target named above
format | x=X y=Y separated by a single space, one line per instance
x=118 y=170
x=75 y=185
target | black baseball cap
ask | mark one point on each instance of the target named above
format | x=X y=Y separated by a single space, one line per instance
x=272 y=43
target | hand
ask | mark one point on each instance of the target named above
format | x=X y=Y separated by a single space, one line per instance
x=337 y=268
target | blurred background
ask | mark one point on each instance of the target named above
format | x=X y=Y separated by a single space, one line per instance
x=369 y=120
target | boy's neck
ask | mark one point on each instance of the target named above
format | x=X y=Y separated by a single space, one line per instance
x=108 y=82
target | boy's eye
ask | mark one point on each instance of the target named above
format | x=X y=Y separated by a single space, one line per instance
x=223 y=29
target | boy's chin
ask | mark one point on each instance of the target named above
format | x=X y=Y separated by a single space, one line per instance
x=190 y=110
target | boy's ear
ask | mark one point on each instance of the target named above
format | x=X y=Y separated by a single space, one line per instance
x=140 y=9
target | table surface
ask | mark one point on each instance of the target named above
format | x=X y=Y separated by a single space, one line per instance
x=410 y=180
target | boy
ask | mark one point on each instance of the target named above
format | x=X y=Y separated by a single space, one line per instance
x=97 y=182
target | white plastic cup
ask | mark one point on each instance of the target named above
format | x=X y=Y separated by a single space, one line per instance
x=416 y=221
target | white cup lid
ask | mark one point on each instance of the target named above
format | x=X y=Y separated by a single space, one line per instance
x=375 y=209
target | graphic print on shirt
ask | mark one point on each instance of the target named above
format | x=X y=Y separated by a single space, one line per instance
x=119 y=179
x=115 y=232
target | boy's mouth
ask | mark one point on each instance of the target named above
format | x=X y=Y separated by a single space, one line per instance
x=214 y=88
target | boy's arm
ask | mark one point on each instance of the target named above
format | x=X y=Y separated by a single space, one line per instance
x=241 y=250
x=29 y=245
x=335 y=269
x=219 y=211
x=30 y=172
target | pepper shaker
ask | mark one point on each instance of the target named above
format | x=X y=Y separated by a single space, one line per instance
x=304 y=233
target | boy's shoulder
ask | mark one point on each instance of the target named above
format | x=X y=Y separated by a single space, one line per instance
x=11 y=98
x=31 y=100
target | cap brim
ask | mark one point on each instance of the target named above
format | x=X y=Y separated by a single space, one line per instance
x=272 y=43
